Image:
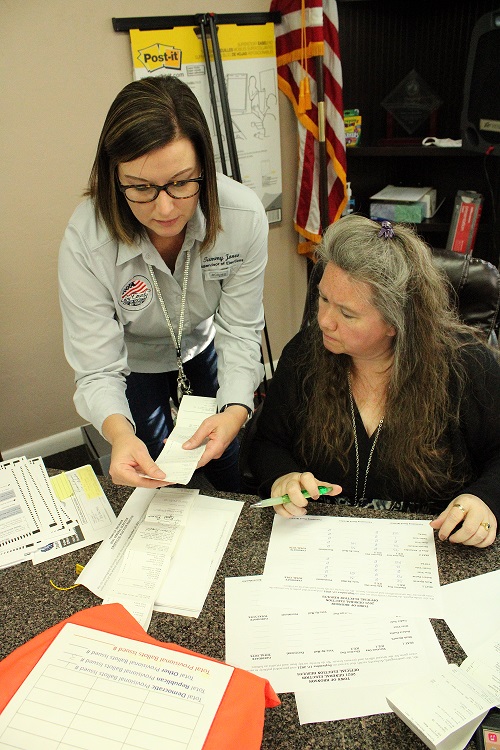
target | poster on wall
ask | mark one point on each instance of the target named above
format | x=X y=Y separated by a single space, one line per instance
x=249 y=61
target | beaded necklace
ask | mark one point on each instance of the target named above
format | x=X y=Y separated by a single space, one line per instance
x=356 y=448
x=183 y=384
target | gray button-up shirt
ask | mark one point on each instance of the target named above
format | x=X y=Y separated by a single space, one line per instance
x=112 y=319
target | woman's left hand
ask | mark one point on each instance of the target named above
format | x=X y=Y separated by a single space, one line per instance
x=218 y=430
x=479 y=525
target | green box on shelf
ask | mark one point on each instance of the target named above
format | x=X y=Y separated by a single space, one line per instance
x=407 y=212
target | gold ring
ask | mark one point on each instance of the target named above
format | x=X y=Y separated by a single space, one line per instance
x=486 y=525
x=457 y=505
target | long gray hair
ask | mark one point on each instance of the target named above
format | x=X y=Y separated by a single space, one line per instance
x=411 y=295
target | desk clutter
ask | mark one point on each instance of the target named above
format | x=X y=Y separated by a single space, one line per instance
x=331 y=610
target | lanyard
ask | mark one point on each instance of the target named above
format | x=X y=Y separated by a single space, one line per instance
x=183 y=384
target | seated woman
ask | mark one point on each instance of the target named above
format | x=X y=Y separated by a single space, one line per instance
x=387 y=397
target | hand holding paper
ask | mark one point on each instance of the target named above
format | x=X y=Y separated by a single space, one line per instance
x=216 y=432
x=177 y=462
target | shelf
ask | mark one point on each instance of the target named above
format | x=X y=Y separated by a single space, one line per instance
x=438 y=224
x=425 y=151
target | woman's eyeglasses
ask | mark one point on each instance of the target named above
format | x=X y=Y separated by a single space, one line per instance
x=179 y=189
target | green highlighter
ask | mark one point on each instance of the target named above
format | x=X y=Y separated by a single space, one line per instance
x=285 y=499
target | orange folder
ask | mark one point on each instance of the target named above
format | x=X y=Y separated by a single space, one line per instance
x=239 y=721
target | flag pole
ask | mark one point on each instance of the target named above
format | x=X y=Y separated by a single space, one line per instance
x=322 y=156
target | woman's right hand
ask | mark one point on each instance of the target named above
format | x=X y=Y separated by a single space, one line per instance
x=129 y=456
x=292 y=485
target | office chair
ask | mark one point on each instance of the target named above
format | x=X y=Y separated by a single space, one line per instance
x=474 y=290
x=474 y=286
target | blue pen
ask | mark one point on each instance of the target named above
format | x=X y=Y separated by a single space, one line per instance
x=285 y=499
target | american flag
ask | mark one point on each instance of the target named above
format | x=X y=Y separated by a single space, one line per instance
x=320 y=35
x=136 y=286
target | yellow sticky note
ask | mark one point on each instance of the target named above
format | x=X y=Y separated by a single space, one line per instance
x=61 y=486
x=90 y=484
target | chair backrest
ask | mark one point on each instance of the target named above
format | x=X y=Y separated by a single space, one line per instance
x=474 y=286
x=474 y=289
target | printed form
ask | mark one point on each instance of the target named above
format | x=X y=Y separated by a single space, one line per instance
x=381 y=566
x=44 y=517
x=101 y=691
x=84 y=500
x=339 y=665
x=31 y=516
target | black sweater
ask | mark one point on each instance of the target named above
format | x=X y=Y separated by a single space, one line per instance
x=273 y=451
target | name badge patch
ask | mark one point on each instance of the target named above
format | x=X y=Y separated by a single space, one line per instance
x=217 y=267
x=214 y=274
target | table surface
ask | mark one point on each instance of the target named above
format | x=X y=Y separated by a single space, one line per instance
x=29 y=604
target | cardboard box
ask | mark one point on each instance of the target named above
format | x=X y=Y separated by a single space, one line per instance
x=403 y=203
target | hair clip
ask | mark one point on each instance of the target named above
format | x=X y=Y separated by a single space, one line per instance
x=386 y=230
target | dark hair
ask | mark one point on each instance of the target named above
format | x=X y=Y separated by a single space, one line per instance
x=411 y=295
x=145 y=116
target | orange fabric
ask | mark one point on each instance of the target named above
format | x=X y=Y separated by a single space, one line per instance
x=238 y=723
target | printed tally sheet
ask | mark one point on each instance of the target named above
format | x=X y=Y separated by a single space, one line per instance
x=42 y=517
x=357 y=565
x=339 y=665
x=146 y=558
x=163 y=552
x=341 y=614
x=177 y=463
x=96 y=690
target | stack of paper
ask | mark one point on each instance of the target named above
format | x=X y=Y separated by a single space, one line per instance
x=42 y=517
x=340 y=617
x=411 y=204
x=444 y=711
x=169 y=569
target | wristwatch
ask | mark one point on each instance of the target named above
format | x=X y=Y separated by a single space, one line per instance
x=250 y=412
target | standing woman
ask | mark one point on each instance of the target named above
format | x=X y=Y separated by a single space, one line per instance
x=161 y=273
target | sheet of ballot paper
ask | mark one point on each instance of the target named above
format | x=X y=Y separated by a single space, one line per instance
x=31 y=514
x=354 y=564
x=146 y=558
x=341 y=663
x=85 y=502
x=197 y=553
x=177 y=463
x=478 y=620
x=446 y=710
x=96 y=690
